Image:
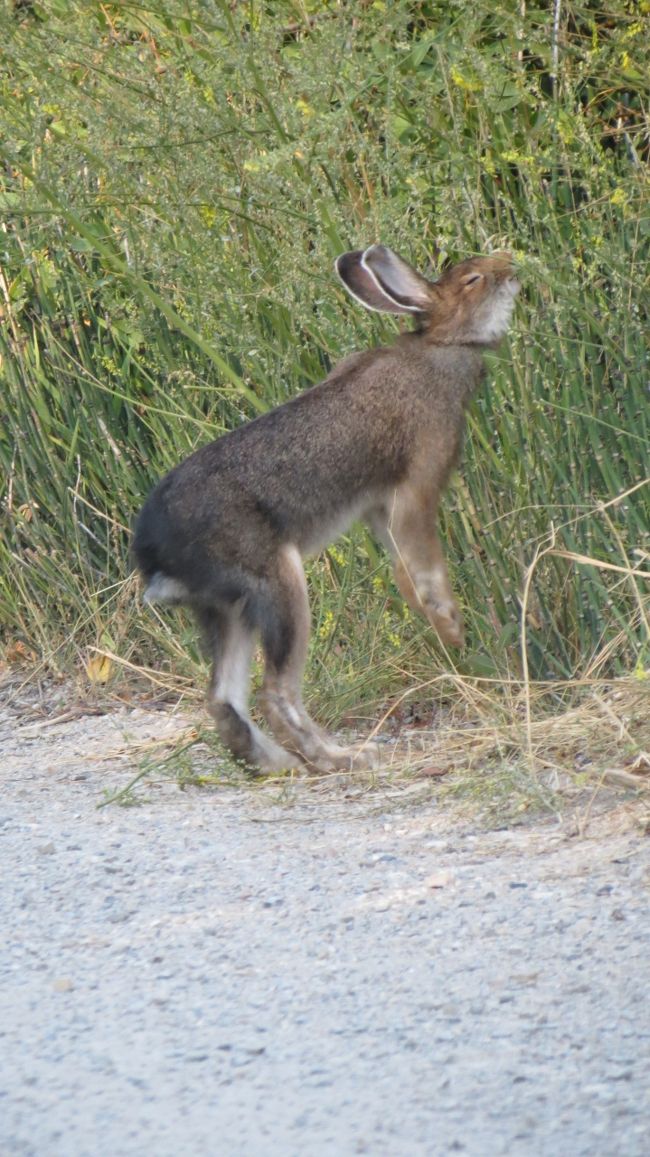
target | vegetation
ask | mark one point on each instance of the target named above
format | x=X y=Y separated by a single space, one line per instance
x=177 y=179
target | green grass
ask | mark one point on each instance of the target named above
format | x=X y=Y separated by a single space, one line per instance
x=177 y=180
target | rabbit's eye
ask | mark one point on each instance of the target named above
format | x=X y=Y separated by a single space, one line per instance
x=472 y=278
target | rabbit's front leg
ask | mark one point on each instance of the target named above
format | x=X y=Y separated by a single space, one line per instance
x=429 y=592
x=411 y=536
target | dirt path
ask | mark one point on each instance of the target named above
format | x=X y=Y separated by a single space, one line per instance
x=222 y=972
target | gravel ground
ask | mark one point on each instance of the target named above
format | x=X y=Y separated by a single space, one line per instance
x=218 y=972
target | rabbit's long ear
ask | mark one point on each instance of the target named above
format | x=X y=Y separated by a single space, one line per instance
x=398 y=280
x=363 y=285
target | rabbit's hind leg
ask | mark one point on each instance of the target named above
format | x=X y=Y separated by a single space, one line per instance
x=284 y=639
x=231 y=642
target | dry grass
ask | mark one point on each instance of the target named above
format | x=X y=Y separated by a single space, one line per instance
x=504 y=751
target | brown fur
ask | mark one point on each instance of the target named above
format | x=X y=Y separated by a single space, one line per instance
x=225 y=531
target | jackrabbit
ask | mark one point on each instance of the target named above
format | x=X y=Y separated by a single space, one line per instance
x=225 y=532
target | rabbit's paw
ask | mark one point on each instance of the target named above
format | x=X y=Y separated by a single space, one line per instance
x=448 y=622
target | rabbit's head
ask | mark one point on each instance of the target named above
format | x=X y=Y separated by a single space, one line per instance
x=470 y=304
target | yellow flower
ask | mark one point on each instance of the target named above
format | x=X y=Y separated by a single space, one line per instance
x=468 y=83
x=304 y=108
x=326 y=626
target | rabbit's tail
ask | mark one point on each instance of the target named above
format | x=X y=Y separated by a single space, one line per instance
x=151 y=549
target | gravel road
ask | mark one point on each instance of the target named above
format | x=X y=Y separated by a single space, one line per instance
x=221 y=973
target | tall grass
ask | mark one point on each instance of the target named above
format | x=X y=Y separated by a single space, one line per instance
x=177 y=179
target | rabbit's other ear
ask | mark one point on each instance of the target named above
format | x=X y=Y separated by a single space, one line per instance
x=362 y=284
x=398 y=280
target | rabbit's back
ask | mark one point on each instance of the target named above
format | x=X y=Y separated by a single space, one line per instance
x=353 y=432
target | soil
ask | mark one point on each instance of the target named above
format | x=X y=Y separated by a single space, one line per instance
x=248 y=970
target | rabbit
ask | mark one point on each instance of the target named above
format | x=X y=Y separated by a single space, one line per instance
x=225 y=532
